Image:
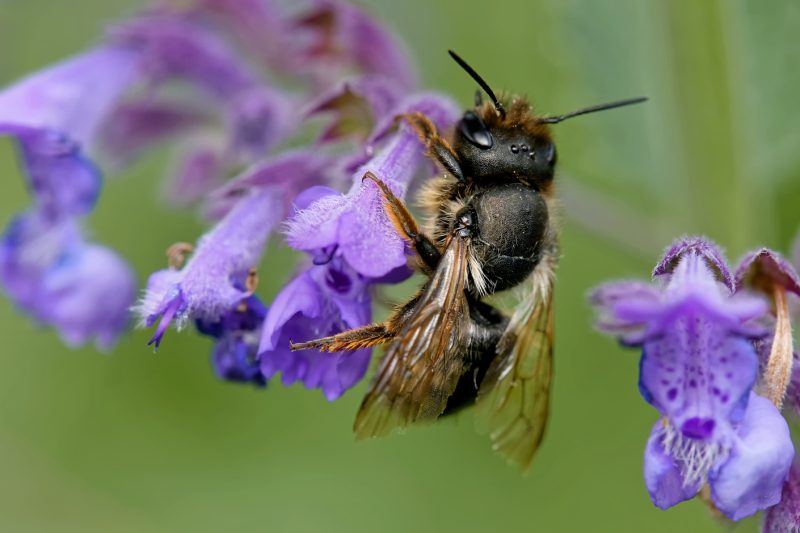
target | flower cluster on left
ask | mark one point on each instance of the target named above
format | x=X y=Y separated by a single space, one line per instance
x=273 y=115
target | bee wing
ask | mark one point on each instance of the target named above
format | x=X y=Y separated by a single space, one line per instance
x=514 y=396
x=420 y=370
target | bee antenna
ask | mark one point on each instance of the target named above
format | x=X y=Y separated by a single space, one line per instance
x=592 y=109
x=485 y=86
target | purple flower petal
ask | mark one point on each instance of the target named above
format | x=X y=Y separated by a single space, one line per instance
x=291 y=172
x=83 y=290
x=258 y=119
x=356 y=223
x=197 y=174
x=767 y=264
x=211 y=282
x=344 y=35
x=64 y=181
x=698 y=375
x=258 y=26
x=753 y=476
x=321 y=301
x=88 y=294
x=176 y=48
x=237 y=335
x=136 y=126
x=31 y=246
x=702 y=246
x=662 y=477
x=357 y=105
x=72 y=97
x=785 y=516
x=634 y=295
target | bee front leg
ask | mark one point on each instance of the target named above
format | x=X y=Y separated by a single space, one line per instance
x=438 y=147
x=405 y=224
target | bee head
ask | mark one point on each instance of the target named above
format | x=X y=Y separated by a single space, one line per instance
x=510 y=145
x=491 y=141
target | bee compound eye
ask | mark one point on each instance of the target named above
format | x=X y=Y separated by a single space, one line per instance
x=475 y=131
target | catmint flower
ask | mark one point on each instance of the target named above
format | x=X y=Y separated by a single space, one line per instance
x=323 y=300
x=83 y=290
x=236 y=336
x=210 y=284
x=697 y=369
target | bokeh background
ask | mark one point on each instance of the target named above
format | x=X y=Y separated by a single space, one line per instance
x=136 y=441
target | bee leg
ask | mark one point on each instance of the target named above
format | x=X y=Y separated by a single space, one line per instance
x=406 y=225
x=354 y=339
x=438 y=147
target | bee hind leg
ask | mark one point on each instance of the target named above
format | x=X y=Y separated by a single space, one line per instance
x=353 y=339
x=405 y=224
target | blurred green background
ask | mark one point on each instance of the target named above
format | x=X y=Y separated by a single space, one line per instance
x=133 y=441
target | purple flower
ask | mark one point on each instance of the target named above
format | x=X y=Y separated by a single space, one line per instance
x=745 y=473
x=343 y=36
x=356 y=104
x=356 y=224
x=785 y=516
x=321 y=301
x=236 y=335
x=210 y=285
x=697 y=368
x=83 y=290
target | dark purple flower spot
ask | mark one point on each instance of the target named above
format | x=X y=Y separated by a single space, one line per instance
x=692 y=383
x=672 y=394
x=338 y=281
x=729 y=375
x=715 y=391
x=724 y=398
x=698 y=428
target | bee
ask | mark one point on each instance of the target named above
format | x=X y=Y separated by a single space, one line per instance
x=490 y=227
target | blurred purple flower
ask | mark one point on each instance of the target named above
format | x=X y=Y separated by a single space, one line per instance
x=83 y=290
x=344 y=36
x=697 y=368
x=321 y=301
x=236 y=336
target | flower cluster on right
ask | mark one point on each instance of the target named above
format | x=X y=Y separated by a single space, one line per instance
x=717 y=363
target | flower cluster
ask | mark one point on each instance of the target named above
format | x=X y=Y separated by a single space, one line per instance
x=229 y=85
x=716 y=363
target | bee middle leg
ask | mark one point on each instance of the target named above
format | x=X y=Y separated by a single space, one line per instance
x=405 y=224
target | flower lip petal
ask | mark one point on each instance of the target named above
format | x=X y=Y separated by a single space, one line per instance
x=662 y=477
x=752 y=478
x=706 y=248
x=763 y=268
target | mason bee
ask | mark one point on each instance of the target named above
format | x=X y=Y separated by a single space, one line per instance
x=490 y=227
